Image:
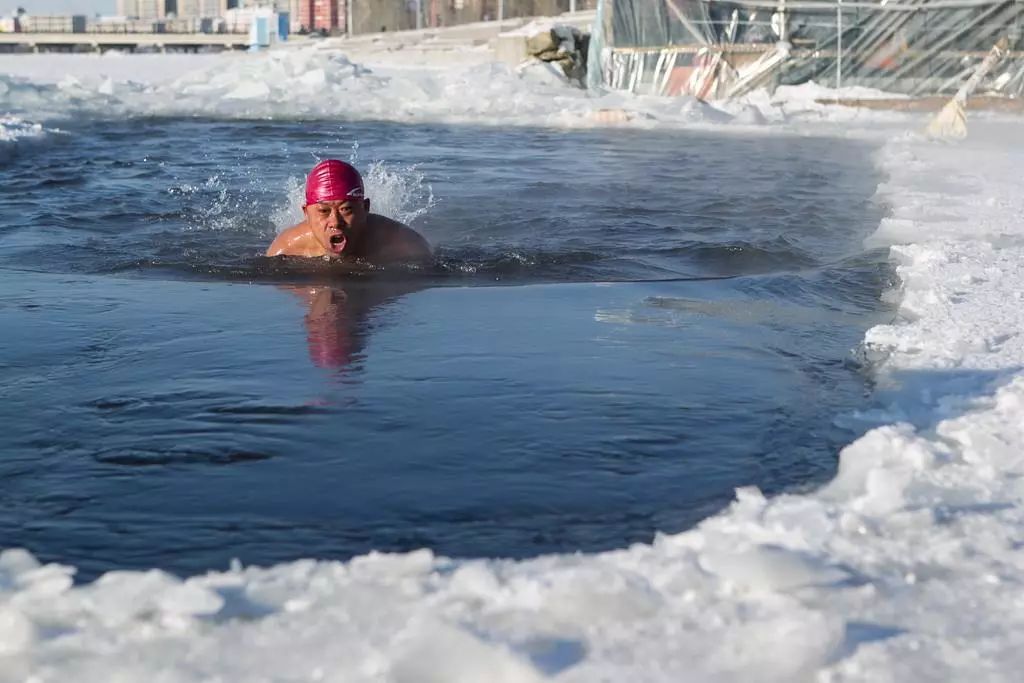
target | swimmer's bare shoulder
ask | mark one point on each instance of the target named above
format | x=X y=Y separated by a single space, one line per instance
x=295 y=241
x=393 y=241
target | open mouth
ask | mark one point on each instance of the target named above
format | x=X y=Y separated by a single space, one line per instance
x=338 y=241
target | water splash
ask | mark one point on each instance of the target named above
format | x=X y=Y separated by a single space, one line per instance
x=397 y=191
x=13 y=128
x=400 y=192
x=218 y=205
x=289 y=213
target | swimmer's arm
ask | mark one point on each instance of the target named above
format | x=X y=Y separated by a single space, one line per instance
x=276 y=248
x=402 y=244
x=410 y=246
x=288 y=243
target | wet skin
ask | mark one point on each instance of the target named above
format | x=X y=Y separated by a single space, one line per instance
x=345 y=229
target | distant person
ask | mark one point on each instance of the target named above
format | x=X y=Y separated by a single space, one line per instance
x=339 y=223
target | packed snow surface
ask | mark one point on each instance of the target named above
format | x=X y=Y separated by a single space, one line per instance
x=906 y=567
x=316 y=82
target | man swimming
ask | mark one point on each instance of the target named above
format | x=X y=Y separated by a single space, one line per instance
x=339 y=223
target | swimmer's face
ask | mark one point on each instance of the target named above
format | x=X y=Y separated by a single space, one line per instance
x=338 y=224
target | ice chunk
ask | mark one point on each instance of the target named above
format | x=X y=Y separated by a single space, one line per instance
x=17 y=632
x=437 y=653
x=249 y=91
x=771 y=567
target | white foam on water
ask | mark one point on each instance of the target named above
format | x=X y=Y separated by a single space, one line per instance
x=290 y=212
x=906 y=567
x=13 y=129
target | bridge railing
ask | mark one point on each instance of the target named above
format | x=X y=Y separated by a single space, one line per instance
x=83 y=24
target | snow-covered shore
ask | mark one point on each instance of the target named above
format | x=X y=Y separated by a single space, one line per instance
x=906 y=567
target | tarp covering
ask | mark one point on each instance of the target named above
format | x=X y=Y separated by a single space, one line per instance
x=911 y=46
x=645 y=23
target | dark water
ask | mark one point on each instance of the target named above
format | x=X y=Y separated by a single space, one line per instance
x=621 y=328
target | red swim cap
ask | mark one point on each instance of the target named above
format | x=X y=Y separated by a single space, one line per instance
x=332 y=180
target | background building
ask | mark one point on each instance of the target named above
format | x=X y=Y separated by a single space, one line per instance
x=146 y=10
x=320 y=15
x=189 y=9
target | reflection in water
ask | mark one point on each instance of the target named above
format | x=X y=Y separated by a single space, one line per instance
x=338 y=317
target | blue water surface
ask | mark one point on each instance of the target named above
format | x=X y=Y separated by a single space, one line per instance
x=620 y=329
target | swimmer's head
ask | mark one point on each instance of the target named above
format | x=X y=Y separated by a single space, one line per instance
x=336 y=207
x=333 y=180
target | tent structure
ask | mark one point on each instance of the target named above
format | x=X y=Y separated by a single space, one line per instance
x=719 y=49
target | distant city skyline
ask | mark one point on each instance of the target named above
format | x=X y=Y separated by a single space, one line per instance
x=89 y=7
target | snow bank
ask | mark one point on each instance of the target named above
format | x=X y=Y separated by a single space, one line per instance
x=51 y=67
x=541 y=25
x=811 y=91
x=312 y=82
